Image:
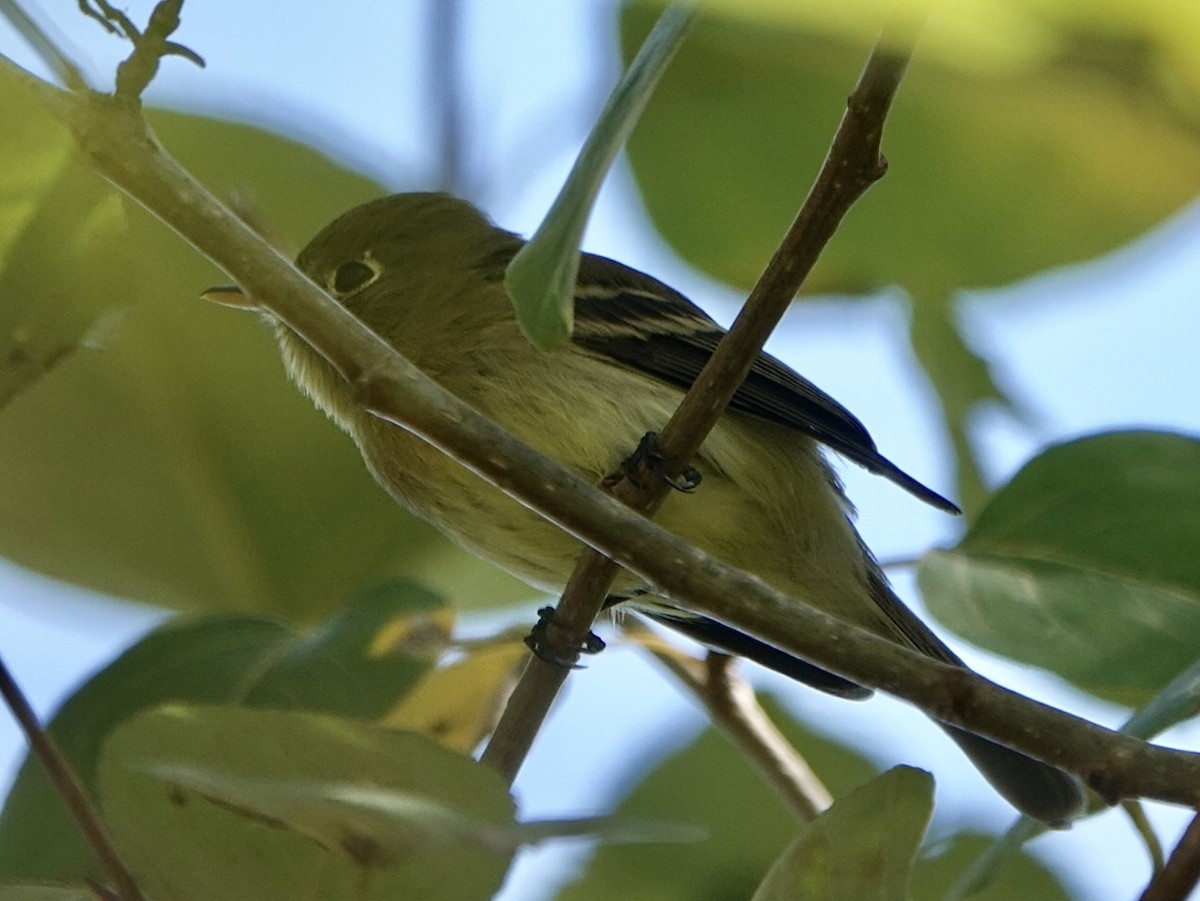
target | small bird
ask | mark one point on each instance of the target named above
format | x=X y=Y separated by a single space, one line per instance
x=425 y=271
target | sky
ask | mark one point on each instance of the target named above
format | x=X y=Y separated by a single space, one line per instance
x=1129 y=362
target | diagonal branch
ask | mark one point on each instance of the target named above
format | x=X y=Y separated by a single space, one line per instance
x=854 y=163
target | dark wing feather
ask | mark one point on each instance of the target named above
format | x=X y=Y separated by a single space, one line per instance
x=627 y=316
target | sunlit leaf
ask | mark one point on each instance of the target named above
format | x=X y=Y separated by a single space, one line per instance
x=458 y=704
x=63 y=246
x=179 y=466
x=1087 y=563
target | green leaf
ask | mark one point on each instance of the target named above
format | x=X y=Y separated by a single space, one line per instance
x=1086 y=564
x=206 y=660
x=936 y=875
x=340 y=667
x=179 y=466
x=40 y=892
x=262 y=841
x=708 y=783
x=861 y=847
x=996 y=172
x=62 y=245
x=541 y=277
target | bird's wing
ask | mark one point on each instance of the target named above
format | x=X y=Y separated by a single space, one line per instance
x=627 y=316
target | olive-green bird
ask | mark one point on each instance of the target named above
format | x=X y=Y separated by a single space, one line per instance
x=426 y=273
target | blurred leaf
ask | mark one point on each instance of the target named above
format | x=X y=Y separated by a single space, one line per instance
x=459 y=704
x=1179 y=701
x=861 y=847
x=709 y=784
x=214 y=659
x=994 y=175
x=62 y=245
x=337 y=668
x=541 y=277
x=1022 y=876
x=1087 y=563
x=180 y=467
x=1000 y=167
x=260 y=847
x=41 y=892
x=205 y=660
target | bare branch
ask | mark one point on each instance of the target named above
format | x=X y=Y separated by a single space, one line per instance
x=734 y=708
x=1182 y=871
x=69 y=788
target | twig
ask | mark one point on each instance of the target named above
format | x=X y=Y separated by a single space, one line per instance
x=854 y=163
x=734 y=708
x=69 y=788
x=1182 y=871
x=118 y=142
x=149 y=47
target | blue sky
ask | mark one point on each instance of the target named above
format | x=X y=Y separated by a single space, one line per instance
x=1100 y=346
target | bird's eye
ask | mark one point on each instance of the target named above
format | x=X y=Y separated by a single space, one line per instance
x=354 y=276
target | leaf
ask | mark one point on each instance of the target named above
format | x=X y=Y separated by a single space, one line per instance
x=861 y=847
x=62 y=245
x=459 y=704
x=1087 y=563
x=376 y=827
x=709 y=784
x=541 y=278
x=214 y=659
x=996 y=171
x=182 y=845
x=936 y=874
x=179 y=467
x=356 y=663
x=41 y=892
x=206 y=660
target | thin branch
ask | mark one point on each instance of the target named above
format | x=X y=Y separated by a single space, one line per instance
x=69 y=788
x=853 y=164
x=1141 y=824
x=1182 y=871
x=116 y=139
x=734 y=709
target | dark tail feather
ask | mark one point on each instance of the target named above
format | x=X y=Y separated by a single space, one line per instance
x=1032 y=787
x=720 y=637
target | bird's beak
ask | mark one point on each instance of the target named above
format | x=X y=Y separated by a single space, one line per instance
x=230 y=296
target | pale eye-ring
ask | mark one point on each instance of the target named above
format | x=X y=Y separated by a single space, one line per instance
x=354 y=275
